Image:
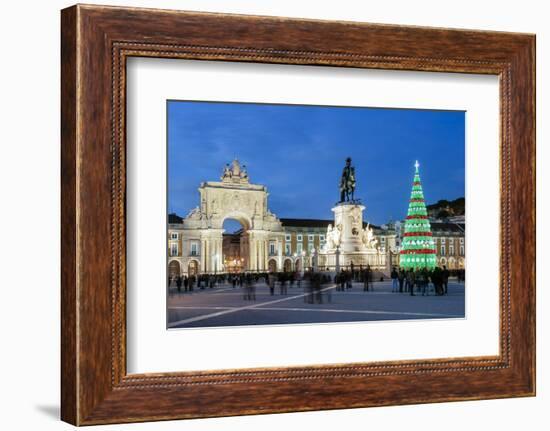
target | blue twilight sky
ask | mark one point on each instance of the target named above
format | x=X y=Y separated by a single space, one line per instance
x=299 y=151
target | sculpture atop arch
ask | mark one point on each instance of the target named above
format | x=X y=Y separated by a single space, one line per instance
x=234 y=173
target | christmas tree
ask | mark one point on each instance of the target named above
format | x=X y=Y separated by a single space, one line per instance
x=417 y=249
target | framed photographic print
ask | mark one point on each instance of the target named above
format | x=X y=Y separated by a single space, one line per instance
x=268 y=215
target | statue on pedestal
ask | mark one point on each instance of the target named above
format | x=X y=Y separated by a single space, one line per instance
x=333 y=236
x=347 y=182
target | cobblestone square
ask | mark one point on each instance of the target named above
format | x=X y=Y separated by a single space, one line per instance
x=224 y=305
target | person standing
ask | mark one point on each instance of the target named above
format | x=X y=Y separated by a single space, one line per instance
x=271 y=283
x=401 y=278
x=445 y=278
x=369 y=275
x=366 y=279
x=185 y=283
x=411 y=280
x=282 y=286
x=394 y=280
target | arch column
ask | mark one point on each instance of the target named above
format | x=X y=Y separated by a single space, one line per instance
x=262 y=255
x=279 y=245
x=266 y=254
x=203 y=255
x=220 y=255
x=251 y=251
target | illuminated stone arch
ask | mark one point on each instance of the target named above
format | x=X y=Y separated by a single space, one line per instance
x=233 y=197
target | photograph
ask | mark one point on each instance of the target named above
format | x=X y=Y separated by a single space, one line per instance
x=282 y=214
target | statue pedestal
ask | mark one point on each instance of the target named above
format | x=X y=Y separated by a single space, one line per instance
x=348 y=219
x=348 y=242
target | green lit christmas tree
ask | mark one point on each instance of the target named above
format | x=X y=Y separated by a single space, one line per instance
x=417 y=249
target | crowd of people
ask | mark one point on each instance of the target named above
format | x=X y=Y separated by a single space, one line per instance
x=315 y=283
x=411 y=280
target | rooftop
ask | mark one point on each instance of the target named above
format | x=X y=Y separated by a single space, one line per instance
x=308 y=222
x=447 y=227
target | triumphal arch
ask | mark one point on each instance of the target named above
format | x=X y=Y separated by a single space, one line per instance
x=233 y=197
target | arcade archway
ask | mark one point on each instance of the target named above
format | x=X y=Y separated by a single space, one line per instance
x=174 y=269
x=287 y=266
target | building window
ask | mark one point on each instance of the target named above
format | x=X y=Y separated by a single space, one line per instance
x=383 y=239
x=271 y=248
x=442 y=240
x=299 y=237
x=299 y=248
x=173 y=249
x=194 y=249
x=322 y=238
x=451 y=249
x=287 y=249
x=174 y=235
x=462 y=250
x=461 y=240
x=310 y=238
x=442 y=250
x=287 y=238
x=310 y=247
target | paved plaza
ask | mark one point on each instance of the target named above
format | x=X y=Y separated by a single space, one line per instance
x=224 y=305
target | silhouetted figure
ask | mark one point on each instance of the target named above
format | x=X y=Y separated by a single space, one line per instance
x=401 y=278
x=394 y=279
x=445 y=278
x=411 y=281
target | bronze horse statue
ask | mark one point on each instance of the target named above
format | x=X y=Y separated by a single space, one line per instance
x=347 y=182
